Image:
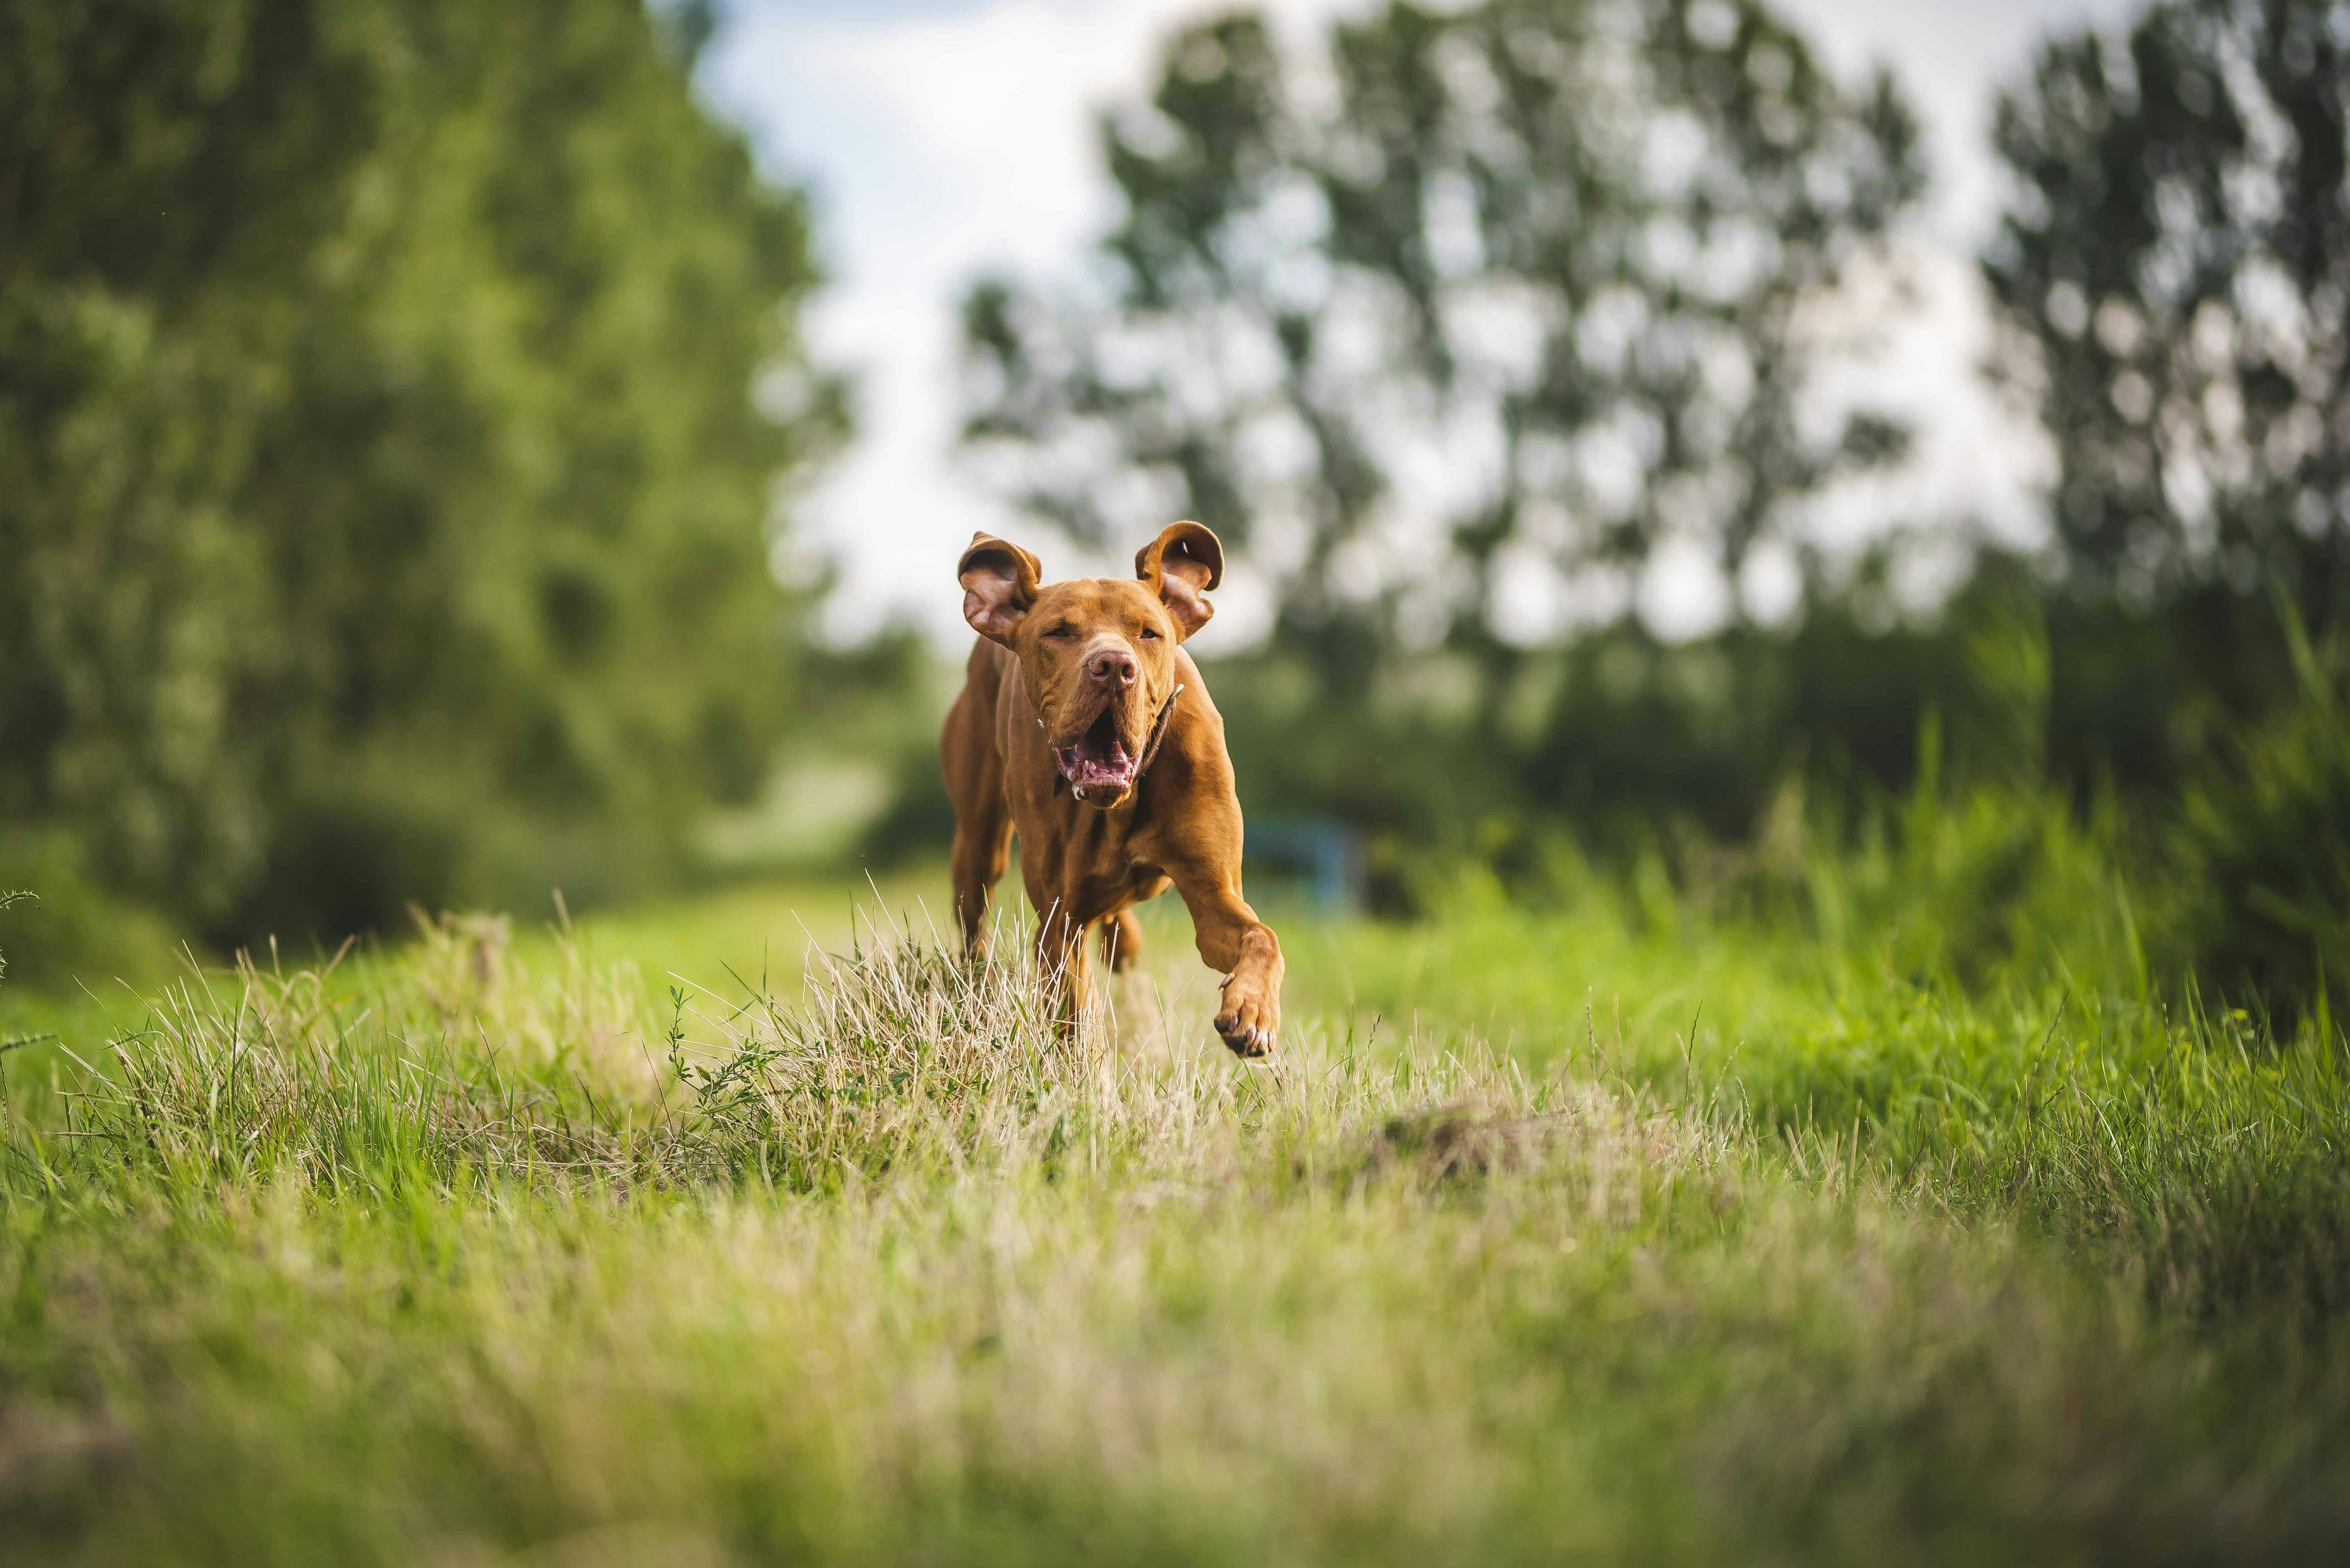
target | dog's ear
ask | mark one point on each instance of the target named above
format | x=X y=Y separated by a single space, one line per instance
x=1000 y=581
x=1183 y=563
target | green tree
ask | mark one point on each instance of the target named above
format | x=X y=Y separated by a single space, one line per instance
x=2173 y=281
x=393 y=399
x=1556 y=253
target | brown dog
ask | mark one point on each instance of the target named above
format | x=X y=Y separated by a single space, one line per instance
x=1086 y=729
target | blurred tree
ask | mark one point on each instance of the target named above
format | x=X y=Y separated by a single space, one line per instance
x=1524 y=294
x=392 y=399
x=2173 y=278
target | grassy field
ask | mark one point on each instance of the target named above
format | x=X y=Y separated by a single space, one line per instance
x=1582 y=1234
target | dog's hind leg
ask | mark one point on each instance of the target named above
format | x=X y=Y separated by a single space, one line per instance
x=1121 y=942
x=982 y=837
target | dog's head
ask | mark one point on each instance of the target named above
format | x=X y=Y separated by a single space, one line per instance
x=1097 y=655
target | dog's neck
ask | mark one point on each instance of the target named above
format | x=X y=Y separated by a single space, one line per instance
x=1157 y=733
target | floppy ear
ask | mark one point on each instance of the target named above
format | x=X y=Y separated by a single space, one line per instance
x=1000 y=581
x=1183 y=563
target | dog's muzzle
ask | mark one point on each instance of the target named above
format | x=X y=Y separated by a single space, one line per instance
x=1098 y=766
x=1098 y=761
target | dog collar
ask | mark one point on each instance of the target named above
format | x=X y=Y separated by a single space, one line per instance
x=1157 y=733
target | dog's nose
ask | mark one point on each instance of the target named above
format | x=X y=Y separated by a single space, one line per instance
x=1114 y=668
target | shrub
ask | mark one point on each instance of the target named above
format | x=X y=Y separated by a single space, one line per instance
x=2264 y=846
x=72 y=928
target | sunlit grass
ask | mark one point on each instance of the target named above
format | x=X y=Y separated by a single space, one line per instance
x=1547 y=1236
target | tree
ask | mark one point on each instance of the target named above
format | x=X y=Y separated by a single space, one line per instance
x=1529 y=295
x=386 y=479
x=2173 y=281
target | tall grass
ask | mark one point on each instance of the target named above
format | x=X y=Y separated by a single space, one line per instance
x=478 y=1254
x=450 y=1068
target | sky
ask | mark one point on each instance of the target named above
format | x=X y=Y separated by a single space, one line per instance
x=940 y=139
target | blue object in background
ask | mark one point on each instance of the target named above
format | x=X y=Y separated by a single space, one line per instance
x=1326 y=853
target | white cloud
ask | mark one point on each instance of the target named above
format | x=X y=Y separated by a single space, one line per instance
x=938 y=146
x=940 y=142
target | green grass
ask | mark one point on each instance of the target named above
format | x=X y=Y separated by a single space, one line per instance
x=1572 y=1235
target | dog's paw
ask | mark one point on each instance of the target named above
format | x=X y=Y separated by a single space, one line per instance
x=1249 y=1044
x=1247 y=1023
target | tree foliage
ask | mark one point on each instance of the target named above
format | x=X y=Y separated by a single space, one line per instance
x=2173 y=276
x=1517 y=295
x=385 y=507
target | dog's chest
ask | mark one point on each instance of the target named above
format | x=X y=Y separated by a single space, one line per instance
x=1093 y=855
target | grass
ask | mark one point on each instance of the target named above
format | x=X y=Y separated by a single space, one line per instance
x=1567 y=1235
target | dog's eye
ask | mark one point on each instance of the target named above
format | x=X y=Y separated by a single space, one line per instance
x=1151 y=632
x=1062 y=631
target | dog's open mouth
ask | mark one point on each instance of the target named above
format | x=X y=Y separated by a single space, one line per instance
x=1099 y=758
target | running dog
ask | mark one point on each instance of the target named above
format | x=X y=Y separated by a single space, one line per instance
x=1084 y=728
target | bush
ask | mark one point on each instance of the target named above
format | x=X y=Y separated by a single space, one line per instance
x=2263 y=847
x=65 y=926
x=9 y=899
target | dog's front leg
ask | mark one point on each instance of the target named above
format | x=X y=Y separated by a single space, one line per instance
x=983 y=844
x=1065 y=967
x=1232 y=938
